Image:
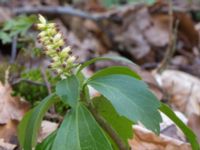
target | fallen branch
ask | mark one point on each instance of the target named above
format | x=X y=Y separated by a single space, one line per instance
x=68 y=10
x=57 y=10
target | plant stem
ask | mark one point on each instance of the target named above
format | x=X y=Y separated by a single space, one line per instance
x=111 y=132
x=48 y=85
x=171 y=47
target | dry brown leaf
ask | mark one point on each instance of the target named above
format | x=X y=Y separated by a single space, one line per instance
x=8 y=132
x=151 y=81
x=186 y=30
x=158 y=33
x=5 y=14
x=11 y=108
x=6 y=146
x=185 y=4
x=187 y=35
x=147 y=140
x=169 y=128
x=183 y=89
x=47 y=128
x=132 y=35
x=194 y=123
x=180 y=60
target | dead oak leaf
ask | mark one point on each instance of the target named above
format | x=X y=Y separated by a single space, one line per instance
x=6 y=146
x=11 y=108
x=8 y=132
x=147 y=140
x=193 y=123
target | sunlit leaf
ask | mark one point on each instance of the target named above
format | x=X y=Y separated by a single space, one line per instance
x=130 y=97
x=120 y=124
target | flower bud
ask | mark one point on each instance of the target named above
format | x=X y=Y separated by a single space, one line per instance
x=64 y=54
x=49 y=47
x=42 y=19
x=42 y=34
x=50 y=52
x=66 y=49
x=58 y=70
x=49 y=66
x=71 y=59
x=57 y=37
x=44 y=40
x=51 y=25
x=56 y=58
x=55 y=64
x=41 y=26
x=60 y=43
x=64 y=65
x=62 y=76
x=50 y=31
x=58 y=50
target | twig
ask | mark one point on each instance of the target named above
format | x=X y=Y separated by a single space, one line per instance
x=14 y=49
x=57 y=10
x=7 y=73
x=68 y=10
x=111 y=132
x=27 y=81
x=172 y=41
x=48 y=85
x=54 y=117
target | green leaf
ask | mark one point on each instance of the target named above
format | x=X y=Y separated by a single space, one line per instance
x=80 y=131
x=22 y=127
x=47 y=142
x=131 y=98
x=122 y=125
x=113 y=58
x=19 y=25
x=187 y=131
x=116 y=70
x=85 y=90
x=69 y=90
x=30 y=124
x=5 y=38
x=110 y=3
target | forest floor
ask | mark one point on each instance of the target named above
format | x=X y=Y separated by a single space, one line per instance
x=161 y=38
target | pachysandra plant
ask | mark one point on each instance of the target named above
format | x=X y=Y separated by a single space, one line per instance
x=103 y=123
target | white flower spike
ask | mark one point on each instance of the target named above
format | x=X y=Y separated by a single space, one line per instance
x=52 y=40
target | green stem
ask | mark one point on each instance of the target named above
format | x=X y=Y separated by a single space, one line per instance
x=111 y=132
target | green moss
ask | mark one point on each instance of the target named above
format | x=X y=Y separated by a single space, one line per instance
x=32 y=92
